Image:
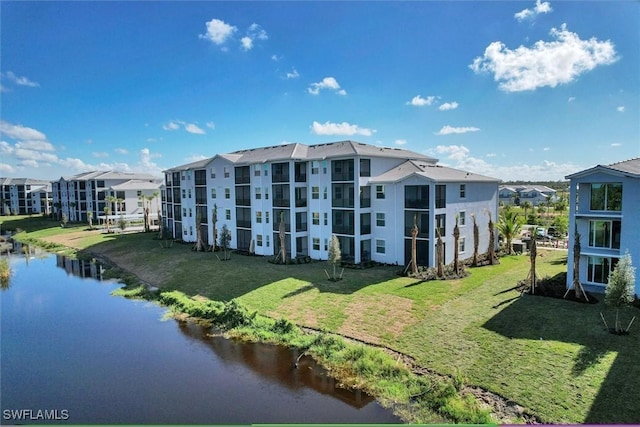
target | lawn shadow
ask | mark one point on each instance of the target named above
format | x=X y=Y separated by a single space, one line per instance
x=569 y=322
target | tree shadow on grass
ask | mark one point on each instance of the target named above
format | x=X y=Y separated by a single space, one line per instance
x=565 y=321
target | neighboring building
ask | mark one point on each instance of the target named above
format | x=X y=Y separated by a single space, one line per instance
x=604 y=206
x=22 y=196
x=366 y=195
x=534 y=194
x=77 y=195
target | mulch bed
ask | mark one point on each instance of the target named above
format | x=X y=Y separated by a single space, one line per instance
x=555 y=287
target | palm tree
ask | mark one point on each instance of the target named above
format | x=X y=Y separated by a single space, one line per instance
x=526 y=205
x=476 y=240
x=108 y=209
x=492 y=242
x=509 y=227
x=456 y=241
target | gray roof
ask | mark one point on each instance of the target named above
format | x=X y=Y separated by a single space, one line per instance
x=298 y=151
x=136 y=184
x=527 y=188
x=431 y=172
x=22 y=181
x=86 y=176
x=629 y=167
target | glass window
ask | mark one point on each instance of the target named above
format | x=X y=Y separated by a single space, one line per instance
x=605 y=234
x=462 y=218
x=266 y=218
x=379 y=191
x=441 y=196
x=461 y=244
x=259 y=236
x=213 y=193
x=380 y=246
x=365 y=167
x=315 y=165
x=227 y=193
x=259 y=217
x=316 y=243
x=599 y=268
x=380 y=220
x=256 y=171
x=226 y=172
x=315 y=192
x=227 y=214
x=258 y=193
x=315 y=219
x=463 y=191
x=606 y=197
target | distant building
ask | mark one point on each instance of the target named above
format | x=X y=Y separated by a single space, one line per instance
x=518 y=194
x=604 y=206
x=77 y=195
x=366 y=195
x=22 y=196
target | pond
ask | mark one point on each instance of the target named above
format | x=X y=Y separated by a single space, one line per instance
x=73 y=353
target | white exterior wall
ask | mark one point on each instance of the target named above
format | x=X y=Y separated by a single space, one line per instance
x=580 y=214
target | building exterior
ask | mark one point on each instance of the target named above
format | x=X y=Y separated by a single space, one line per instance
x=368 y=196
x=22 y=196
x=518 y=194
x=604 y=203
x=80 y=194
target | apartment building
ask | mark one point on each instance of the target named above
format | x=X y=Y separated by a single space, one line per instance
x=22 y=196
x=368 y=196
x=604 y=202
x=77 y=195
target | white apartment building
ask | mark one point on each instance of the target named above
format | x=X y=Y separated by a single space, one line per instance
x=77 y=195
x=604 y=206
x=366 y=195
x=22 y=196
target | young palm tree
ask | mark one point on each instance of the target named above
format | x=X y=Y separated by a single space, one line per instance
x=456 y=241
x=492 y=242
x=526 y=205
x=476 y=240
x=509 y=227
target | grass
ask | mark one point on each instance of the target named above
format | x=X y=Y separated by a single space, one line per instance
x=551 y=356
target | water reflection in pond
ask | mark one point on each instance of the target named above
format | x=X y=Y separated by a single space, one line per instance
x=67 y=344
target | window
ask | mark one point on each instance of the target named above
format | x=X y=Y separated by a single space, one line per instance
x=267 y=240
x=441 y=196
x=605 y=234
x=266 y=193
x=380 y=220
x=315 y=192
x=326 y=218
x=301 y=196
x=463 y=191
x=256 y=172
x=138 y=193
x=598 y=269
x=461 y=244
x=258 y=193
x=325 y=193
x=227 y=214
x=189 y=193
x=266 y=173
x=258 y=236
x=462 y=218
x=365 y=197
x=380 y=247
x=266 y=218
x=441 y=224
x=606 y=197
x=242 y=174
x=416 y=196
x=379 y=191
x=190 y=213
x=315 y=218
x=365 y=223
x=184 y=212
x=316 y=243
x=184 y=193
x=226 y=172
x=213 y=193
x=191 y=230
x=301 y=221
x=213 y=173
x=259 y=217
x=326 y=244
x=365 y=167
x=315 y=166
x=227 y=193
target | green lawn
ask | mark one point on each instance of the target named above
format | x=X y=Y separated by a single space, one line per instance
x=551 y=356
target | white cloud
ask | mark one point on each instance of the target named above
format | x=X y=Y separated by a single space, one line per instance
x=6 y=168
x=546 y=63
x=35 y=145
x=571 y=99
x=326 y=83
x=419 y=101
x=193 y=128
x=100 y=154
x=293 y=74
x=616 y=144
x=171 y=126
x=459 y=157
x=20 y=132
x=275 y=57
x=343 y=128
x=448 y=106
x=546 y=149
x=491 y=155
x=218 y=31
x=121 y=151
x=538 y=9
x=448 y=130
x=210 y=125
x=400 y=141
x=5 y=147
x=19 y=80
x=255 y=32
x=620 y=109
x=195 y=158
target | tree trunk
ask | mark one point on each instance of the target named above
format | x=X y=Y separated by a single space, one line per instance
x=414 y=247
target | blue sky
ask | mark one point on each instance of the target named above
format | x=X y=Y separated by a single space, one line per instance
x=515 y=90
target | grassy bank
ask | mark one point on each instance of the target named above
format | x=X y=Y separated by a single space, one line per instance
x=551 y=356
